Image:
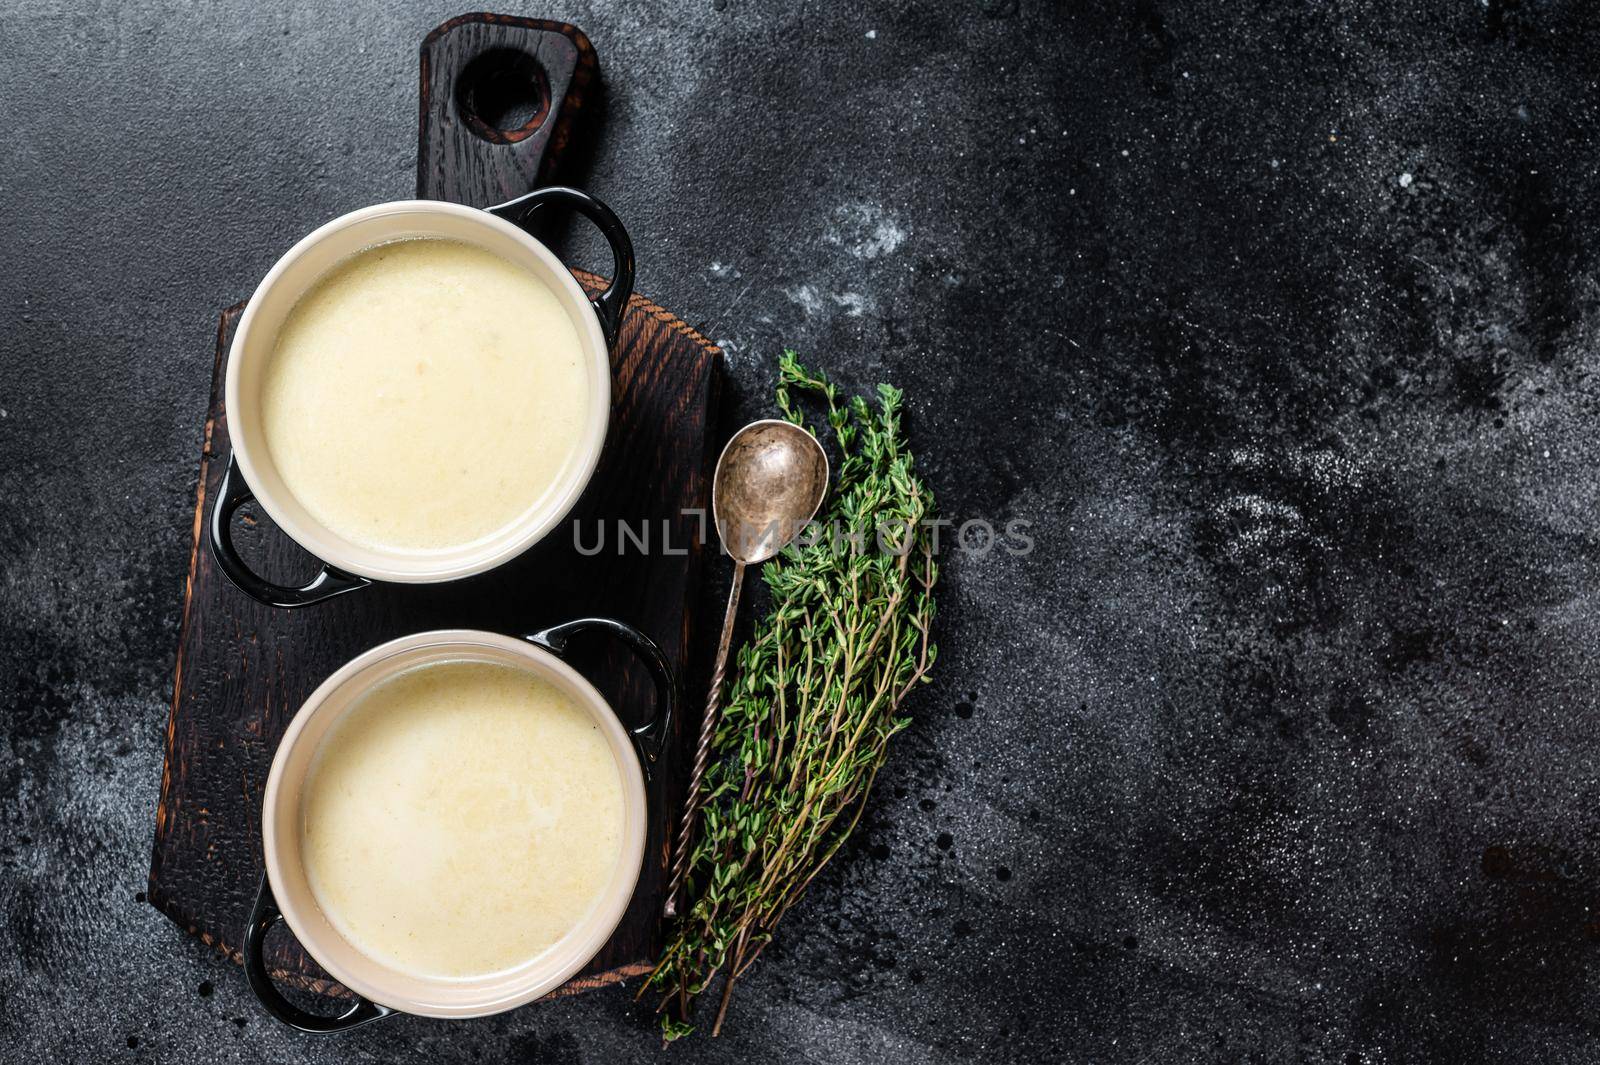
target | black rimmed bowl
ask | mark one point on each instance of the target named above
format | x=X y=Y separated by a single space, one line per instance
x=252 y=474
x=286 y=896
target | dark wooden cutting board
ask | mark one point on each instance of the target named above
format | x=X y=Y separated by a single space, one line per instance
x=243 y=669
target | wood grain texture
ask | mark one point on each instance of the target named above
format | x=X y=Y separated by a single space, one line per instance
x=243 y=669
x=462 y=159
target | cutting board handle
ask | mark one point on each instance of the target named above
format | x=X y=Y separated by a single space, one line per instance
x=499 y=98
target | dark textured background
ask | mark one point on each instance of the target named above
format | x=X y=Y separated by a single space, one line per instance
x=1278 y=321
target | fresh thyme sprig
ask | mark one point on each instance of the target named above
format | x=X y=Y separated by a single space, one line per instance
x=817 y=696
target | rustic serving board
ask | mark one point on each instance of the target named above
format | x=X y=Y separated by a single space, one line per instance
x=243 y=669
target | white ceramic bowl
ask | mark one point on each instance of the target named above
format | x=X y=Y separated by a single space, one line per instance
x=286 y=894
x=252 y=473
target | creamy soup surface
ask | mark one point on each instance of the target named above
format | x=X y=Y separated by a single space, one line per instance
x=460 y=819
x=424 y=395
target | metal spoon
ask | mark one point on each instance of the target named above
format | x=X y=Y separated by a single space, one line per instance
x=769 y=483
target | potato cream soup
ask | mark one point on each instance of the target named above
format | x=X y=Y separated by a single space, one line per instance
x=460 y=818
x=424 y=395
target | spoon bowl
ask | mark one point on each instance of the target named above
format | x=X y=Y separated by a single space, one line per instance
x=770 y=480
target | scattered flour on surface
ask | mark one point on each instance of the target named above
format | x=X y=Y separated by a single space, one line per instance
x=865 y=230
x=1261 y=524
x=1328 y=471
x=807 y=296
x=854 y=303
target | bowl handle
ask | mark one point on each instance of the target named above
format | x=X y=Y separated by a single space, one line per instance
x=609 y=305
x=649 y=737
x=328 y=583
x=262 y=918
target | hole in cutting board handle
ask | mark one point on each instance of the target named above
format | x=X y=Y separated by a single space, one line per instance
x=503 y=95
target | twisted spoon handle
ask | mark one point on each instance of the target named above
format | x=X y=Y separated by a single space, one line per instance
x=702 y=754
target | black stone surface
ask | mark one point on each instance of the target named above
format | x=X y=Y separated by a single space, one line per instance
x=1278 y=322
